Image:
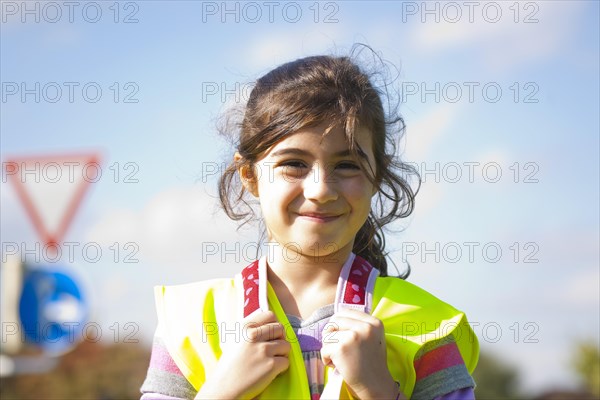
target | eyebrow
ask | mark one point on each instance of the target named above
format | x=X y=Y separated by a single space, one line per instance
x=300 y=152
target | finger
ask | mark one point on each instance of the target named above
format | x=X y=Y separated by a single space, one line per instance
x=278 y=348
x=329 y=333
x=263 y=333
x=259 y=317
x=353 y=330
x=357 y=315
x=343 y=322
x=339 y=323
x=326 y=356
x=280 y=364
x=270 y=331
x=336 y=339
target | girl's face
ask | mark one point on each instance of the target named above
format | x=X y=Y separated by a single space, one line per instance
x=313 y=194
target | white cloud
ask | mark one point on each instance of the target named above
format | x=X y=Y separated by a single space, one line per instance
x=173 y=228
x=494 y=166
x=430 y=195
x=62 y=36
x=16 y=225
x=268 y=51
x=426 y=130
x=583 y=288
x=422 y=134
x=8 y=197
x=507 y=43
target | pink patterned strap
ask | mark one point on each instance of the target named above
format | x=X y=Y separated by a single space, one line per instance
x=355 y=291
x=356 y=284
x=250 y=281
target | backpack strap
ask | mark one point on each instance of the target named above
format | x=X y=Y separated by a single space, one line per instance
x=254 y=278
x=356 y=284
x=354 y=291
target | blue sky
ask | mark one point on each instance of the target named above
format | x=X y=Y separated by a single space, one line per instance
x=544 y=126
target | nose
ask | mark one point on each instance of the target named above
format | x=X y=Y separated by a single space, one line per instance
x=320 y=186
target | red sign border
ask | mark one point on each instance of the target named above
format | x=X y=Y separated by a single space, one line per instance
x=51 y=239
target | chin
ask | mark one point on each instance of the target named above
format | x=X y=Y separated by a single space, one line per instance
x=318 y=248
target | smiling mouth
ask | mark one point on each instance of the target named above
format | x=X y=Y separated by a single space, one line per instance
x=319 y=217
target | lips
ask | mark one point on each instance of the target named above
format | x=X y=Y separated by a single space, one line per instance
x=318 y=217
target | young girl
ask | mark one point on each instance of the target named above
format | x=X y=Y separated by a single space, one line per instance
x=318 y=316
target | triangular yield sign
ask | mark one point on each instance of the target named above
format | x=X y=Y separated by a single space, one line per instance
x=51 y=189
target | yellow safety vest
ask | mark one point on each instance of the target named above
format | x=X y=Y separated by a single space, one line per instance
x=198 y=321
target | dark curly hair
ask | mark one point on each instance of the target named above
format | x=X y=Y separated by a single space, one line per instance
x=336 y=91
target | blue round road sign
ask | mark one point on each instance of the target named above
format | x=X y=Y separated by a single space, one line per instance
x=52 y=309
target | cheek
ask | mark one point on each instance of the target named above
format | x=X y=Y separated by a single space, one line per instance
x=275 y=192
x=360 y=196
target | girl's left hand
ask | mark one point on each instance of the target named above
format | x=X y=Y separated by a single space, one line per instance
x=354 y=344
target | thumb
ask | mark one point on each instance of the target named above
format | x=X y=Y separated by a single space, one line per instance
x=326 y=356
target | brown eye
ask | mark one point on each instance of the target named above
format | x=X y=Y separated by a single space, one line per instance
x=348 y=165
x=294 y=169
x=293 y=164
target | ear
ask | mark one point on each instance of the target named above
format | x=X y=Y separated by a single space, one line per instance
x=247 y=176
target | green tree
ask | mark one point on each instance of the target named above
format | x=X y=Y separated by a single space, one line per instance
x=586 y=363
x=495 y=379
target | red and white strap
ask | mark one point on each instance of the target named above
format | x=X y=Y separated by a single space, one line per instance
x=355 y=285
x=354 y=291
x=254 y=278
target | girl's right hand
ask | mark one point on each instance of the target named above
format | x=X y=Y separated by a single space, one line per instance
x=248 y=367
